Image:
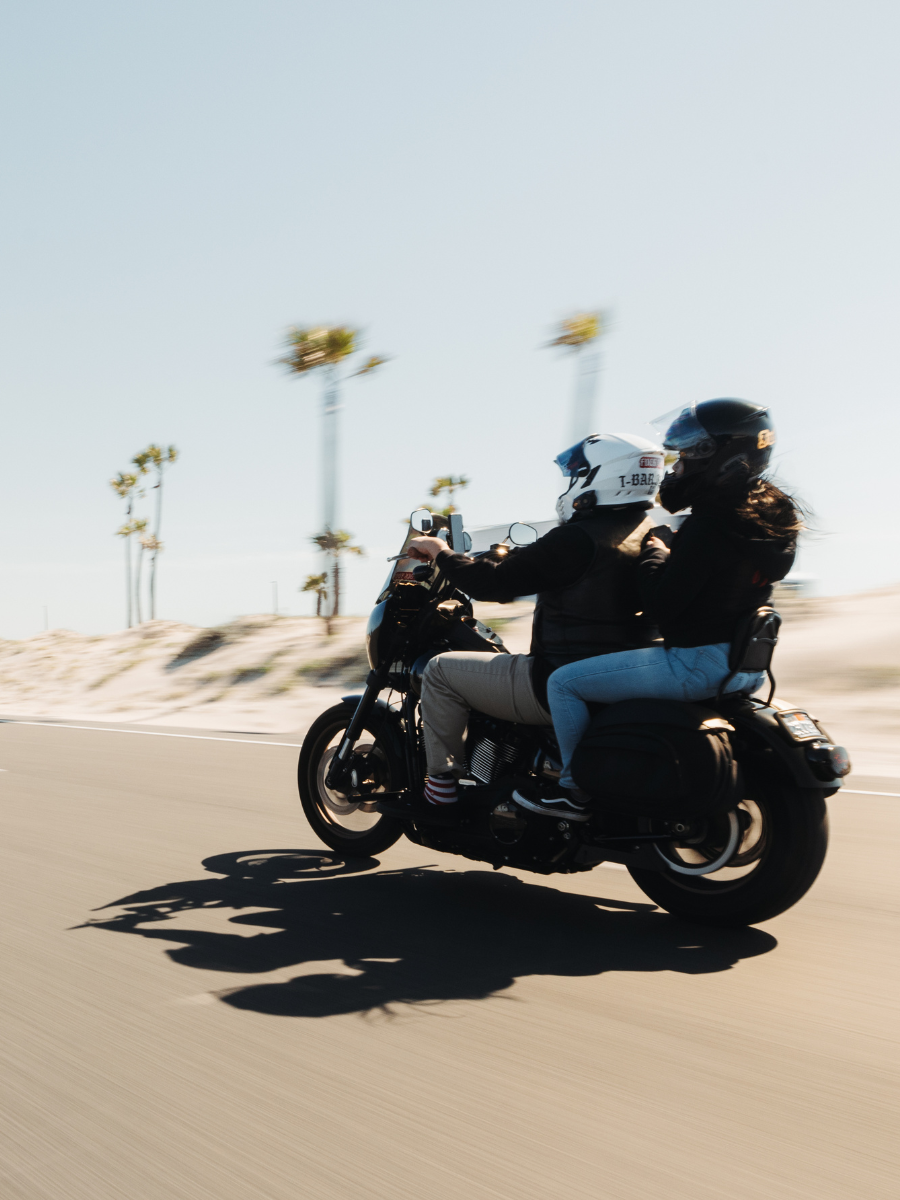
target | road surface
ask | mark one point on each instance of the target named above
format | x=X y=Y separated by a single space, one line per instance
x=199 y=1002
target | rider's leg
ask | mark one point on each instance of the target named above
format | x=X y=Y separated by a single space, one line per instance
x=453 y=683
x=677 y=673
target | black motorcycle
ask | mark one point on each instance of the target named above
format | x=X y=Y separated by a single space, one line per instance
x=717 y=809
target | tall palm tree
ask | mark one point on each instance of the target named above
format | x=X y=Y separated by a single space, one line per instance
x=159 y=459
x=138 y=525
x=576 y=334
x=125 y=485
x=334 y=544
x=325 y=348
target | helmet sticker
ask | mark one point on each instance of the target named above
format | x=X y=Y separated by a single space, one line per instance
x=766 y=438
x=639 y=479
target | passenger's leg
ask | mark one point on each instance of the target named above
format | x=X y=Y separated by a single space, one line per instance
x=610 y=677
x=453 y=683
x=704 y=667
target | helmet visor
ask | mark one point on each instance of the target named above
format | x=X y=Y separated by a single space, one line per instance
x=572 y=461
x=684 y=434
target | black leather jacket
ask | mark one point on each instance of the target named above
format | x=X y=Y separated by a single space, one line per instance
x=585 y=577
x=718 y=570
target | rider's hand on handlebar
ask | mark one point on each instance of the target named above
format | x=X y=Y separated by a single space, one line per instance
x=426 y=548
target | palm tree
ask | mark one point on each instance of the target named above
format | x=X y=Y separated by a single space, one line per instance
x=139 y=527
x=317 y=584
x=575 y=334
x=325 y=348
x=124 y=485
x=334 y=545
x=449 y=484
x=159 y=459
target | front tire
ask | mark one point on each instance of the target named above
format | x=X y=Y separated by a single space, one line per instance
x=785 y=836
x=346 y=822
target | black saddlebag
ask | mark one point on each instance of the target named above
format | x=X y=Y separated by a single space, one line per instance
x=657 y=758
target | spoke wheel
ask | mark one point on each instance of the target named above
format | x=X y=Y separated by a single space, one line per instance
x=347 y=821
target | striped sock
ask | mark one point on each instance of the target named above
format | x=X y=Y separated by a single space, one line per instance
x=441 y=789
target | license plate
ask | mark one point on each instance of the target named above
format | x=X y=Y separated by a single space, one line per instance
x=799 y=725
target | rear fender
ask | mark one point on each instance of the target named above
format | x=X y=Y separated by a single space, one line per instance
x=769 y=741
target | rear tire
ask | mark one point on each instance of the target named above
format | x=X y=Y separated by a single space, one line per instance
x=341 y=821
x=790 y=850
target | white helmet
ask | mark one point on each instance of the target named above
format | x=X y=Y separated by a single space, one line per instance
x=609 y=468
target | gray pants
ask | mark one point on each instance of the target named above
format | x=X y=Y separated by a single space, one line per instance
x=496 y=684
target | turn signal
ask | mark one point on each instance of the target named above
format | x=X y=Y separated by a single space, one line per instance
x=827 y=761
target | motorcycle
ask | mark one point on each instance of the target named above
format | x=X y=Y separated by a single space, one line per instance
x=362 y=770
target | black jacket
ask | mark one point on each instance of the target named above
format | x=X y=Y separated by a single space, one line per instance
x=585 y=577
x=718 y=570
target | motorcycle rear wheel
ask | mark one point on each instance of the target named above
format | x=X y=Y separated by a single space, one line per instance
x=341 y=821
x=775 y=864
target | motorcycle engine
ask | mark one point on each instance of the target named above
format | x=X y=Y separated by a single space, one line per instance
x=493 y=748
x=485 y=757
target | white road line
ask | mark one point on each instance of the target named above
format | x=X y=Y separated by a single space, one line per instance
x=196 y=737
x=203 y=737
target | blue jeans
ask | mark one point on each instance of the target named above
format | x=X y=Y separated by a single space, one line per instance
x=679 y=673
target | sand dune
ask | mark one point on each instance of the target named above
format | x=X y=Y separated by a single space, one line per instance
x=840 y=657
x=260 y=673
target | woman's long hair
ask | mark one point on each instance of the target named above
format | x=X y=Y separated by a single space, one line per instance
x=769 y=512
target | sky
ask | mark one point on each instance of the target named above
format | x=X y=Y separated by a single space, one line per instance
x=183 y=180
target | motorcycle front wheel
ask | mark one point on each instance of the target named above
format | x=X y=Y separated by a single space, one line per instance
x=346 y=823
x=747 y=865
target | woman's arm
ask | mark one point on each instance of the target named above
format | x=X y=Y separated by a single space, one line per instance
x=670 y=580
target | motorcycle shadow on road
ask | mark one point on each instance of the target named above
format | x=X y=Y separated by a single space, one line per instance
x=407 y=937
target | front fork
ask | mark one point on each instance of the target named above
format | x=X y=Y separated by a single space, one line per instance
x=414 y=764
x=338 y=775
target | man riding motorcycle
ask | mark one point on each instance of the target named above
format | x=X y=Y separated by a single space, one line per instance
x=585 y=575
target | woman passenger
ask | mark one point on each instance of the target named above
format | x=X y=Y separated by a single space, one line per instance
x=739 y=539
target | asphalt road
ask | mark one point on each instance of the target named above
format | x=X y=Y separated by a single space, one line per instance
x=187 y=1017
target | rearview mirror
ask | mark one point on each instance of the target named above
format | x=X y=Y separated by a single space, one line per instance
x=421 y=521
x=522 y=535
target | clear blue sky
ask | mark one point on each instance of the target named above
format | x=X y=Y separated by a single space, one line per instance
x=184 y=179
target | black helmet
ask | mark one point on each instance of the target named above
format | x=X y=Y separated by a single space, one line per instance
x=721 y=444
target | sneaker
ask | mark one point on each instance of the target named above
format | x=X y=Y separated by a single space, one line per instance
x=565 y=803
